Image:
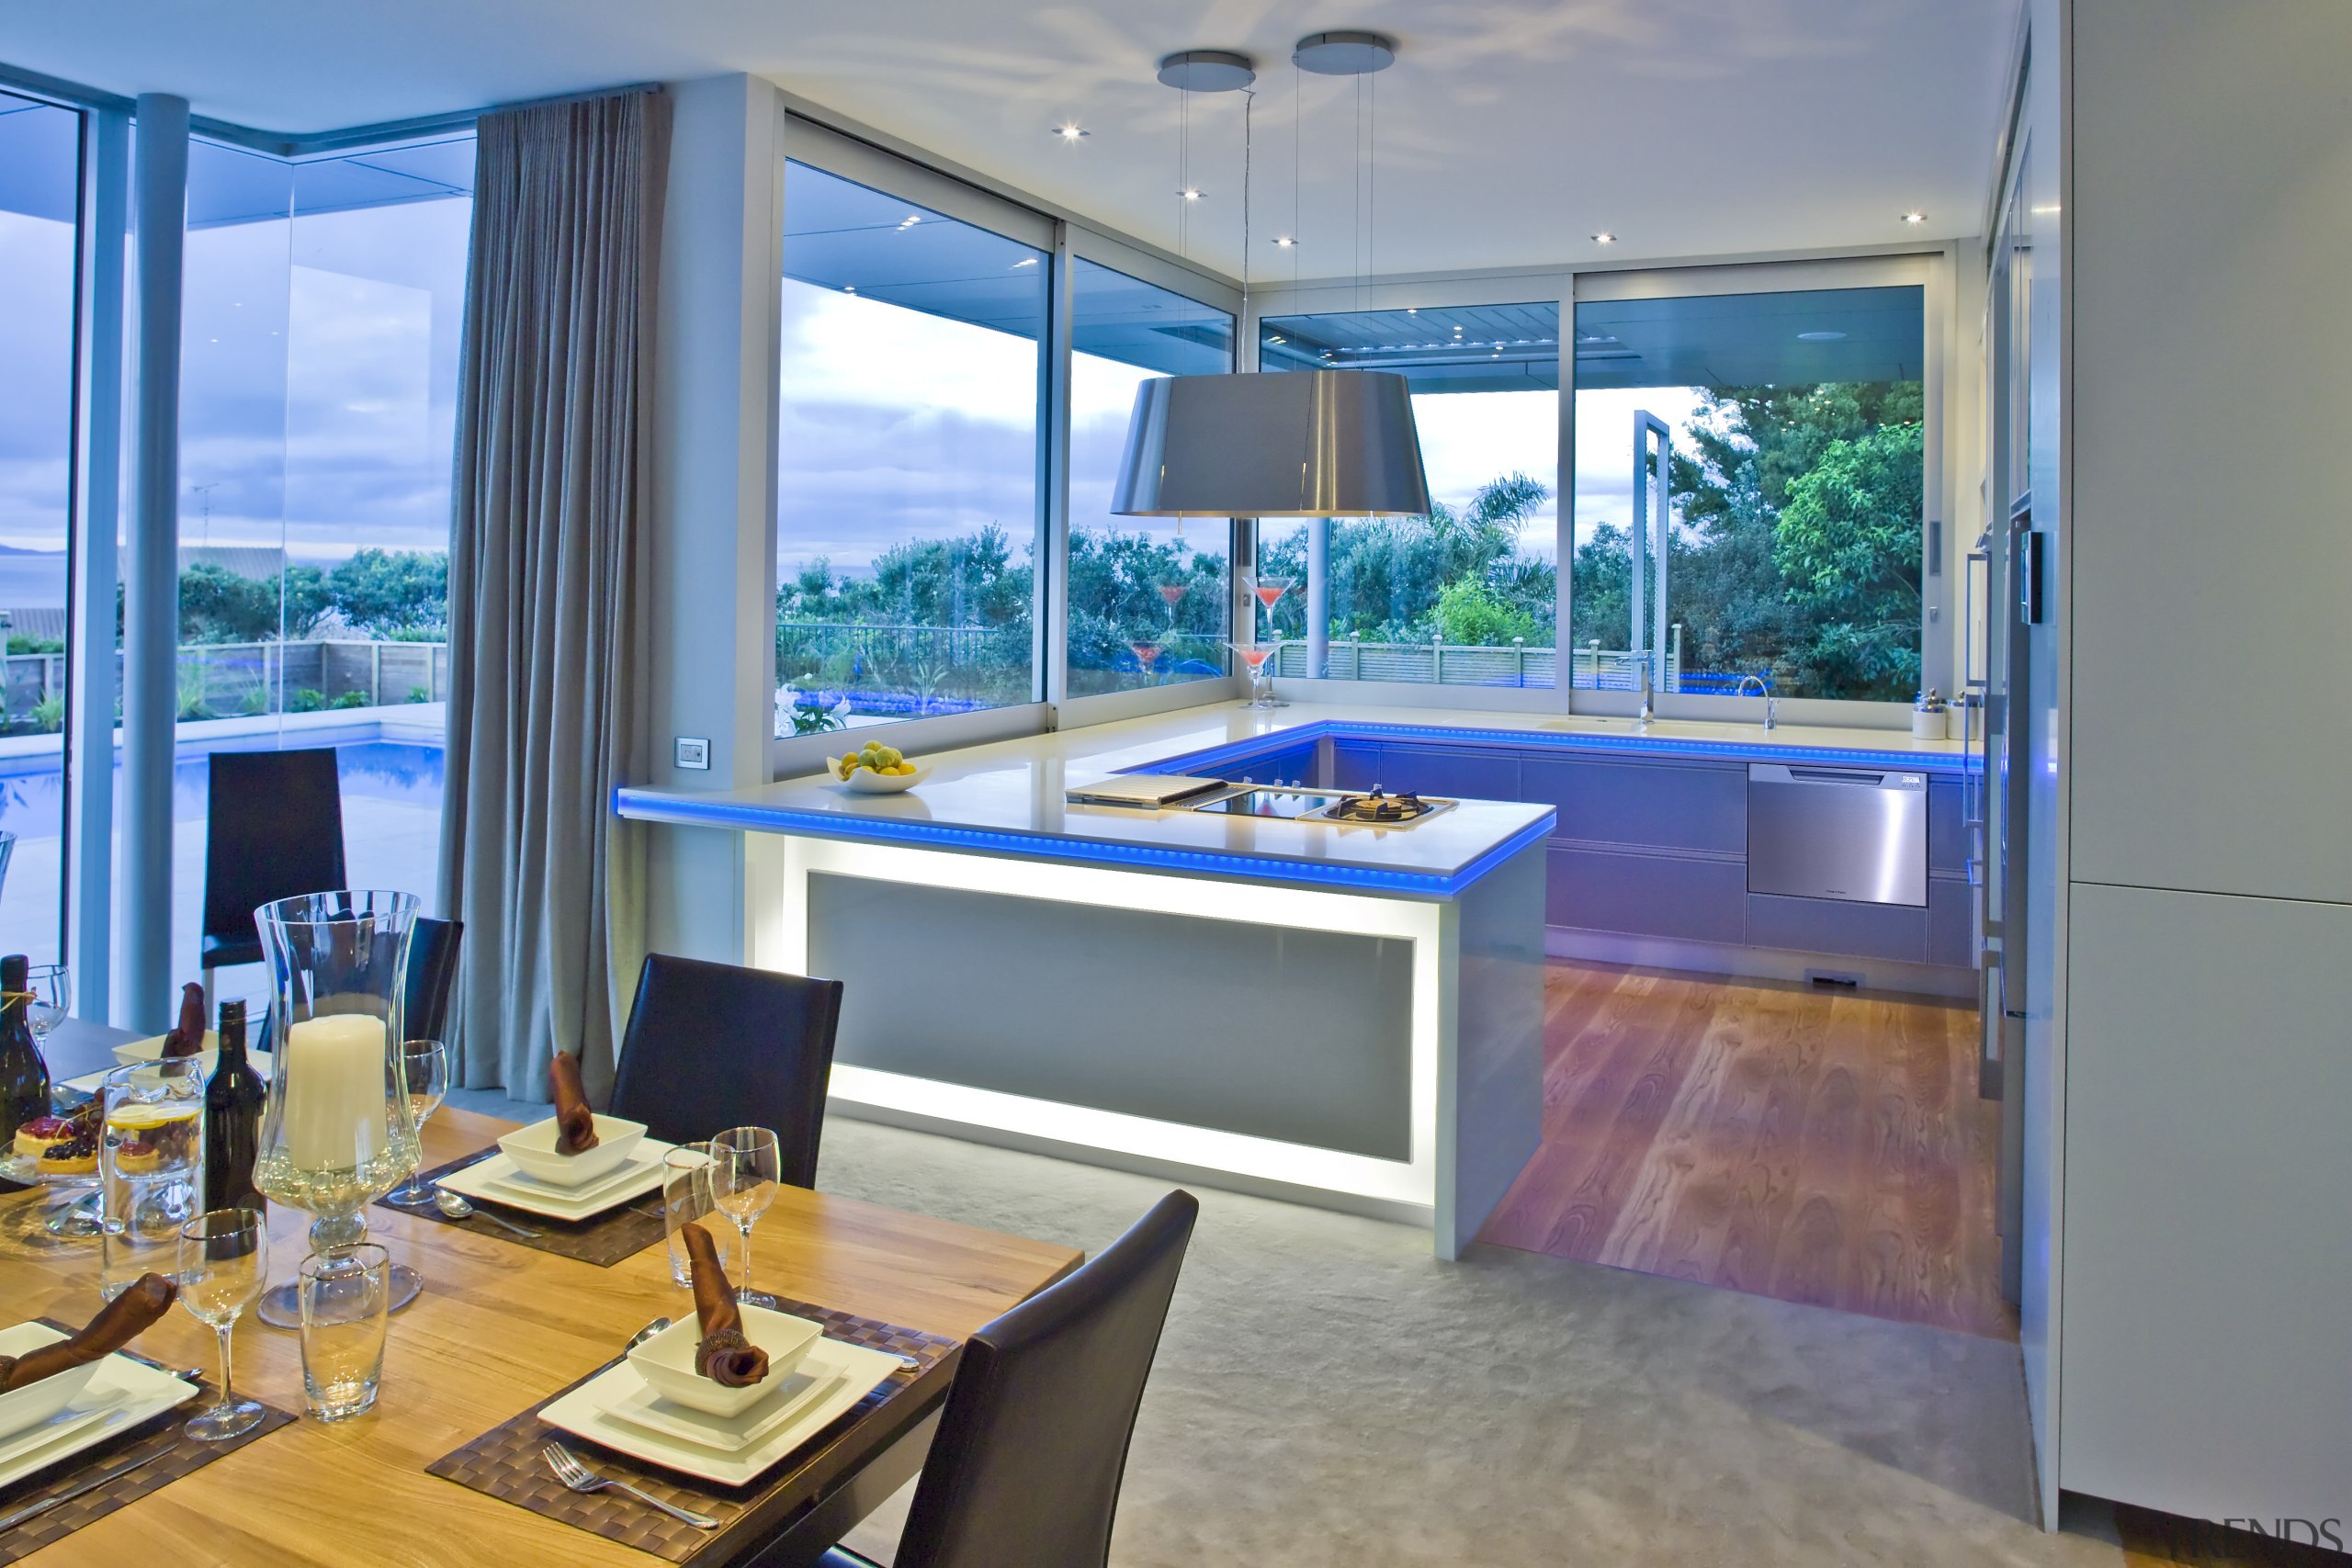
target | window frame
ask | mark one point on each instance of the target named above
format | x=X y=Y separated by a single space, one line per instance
x=1064 y=241
x=1928 y=266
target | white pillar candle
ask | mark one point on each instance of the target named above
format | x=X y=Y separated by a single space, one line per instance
x=334 y=1070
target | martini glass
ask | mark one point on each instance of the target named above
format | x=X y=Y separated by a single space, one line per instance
x=1174 y=593
x=1262 y=685
x=1270 y=591
x=1147 y=655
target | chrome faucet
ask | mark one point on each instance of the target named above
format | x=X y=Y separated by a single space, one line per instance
x=1764 y=690
x=1649 y=707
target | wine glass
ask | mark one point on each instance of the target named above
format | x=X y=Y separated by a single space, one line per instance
x=223 y=1263
x=746 y=1165
x=53 y=988
x=425 y=1072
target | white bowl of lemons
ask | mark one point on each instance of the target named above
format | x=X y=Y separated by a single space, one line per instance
x=877 y=769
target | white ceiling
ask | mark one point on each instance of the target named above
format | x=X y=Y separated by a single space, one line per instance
x=1508 y=131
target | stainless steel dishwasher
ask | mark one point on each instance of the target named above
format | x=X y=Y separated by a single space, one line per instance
x=1859 y=834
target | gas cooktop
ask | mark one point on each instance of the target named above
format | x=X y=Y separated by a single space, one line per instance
x=1299 y=803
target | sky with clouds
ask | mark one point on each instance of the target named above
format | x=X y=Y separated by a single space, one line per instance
x=320 y=382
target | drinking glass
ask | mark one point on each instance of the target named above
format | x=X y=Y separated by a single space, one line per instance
x=345 y=1296
x=425 y=1069
x=685 y=1197
x=223 y=1263
x=151 y=1167
x=746 y=1165
x=53 y=988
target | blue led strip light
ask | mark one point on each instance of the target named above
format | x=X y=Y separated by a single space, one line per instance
x=1260 y=747
x=930 y=835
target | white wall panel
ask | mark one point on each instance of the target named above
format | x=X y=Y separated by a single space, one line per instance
x=2209 y=1234
x=2212 y=214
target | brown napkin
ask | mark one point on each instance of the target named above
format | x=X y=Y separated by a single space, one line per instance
x=575 y=1130
x=186 y=1037
x=118 y=1323
x=725 y=1357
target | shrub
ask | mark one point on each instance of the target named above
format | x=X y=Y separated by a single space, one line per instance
x=49 y=714
x=305 y=699
x=350 y=700
x=419 y=695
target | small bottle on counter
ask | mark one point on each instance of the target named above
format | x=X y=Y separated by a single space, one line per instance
x=233 y=1101
x=1930 y=720
x=24 y=1075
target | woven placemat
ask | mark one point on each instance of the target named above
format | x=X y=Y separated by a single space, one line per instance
x=163 y=1435
x=507 y=1462
x=604 y=1239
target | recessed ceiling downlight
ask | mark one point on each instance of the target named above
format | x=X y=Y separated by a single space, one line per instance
x=1344 y=53
x=1821 y=337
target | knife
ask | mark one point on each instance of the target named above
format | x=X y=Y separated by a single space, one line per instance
x=36 y=1510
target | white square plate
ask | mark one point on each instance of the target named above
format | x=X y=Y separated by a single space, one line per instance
x=583 y=1412
x=793 y=1393
x=495 y=1180
x=122 y=1394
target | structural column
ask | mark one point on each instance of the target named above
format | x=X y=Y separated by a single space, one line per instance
x=1318 y=598
x=151 y=576
x=97 y=487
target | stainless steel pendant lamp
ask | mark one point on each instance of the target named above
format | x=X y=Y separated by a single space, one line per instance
x=1292 y=444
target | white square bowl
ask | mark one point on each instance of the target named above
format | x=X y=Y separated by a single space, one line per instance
x=666 y=1361
x=36 y=1402
x=532 y=1149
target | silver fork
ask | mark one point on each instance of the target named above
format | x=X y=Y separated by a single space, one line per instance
x=580 y=1478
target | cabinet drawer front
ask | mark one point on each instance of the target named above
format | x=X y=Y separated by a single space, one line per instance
x=1668 y=806
x=1947 y=829
x=1637 y=895
x=1444 y=769
x=1355 y=764
x=1833 y=925
x=1294 y=766
x=1952 y=924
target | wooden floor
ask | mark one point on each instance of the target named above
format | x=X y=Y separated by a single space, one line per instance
x=1814 y=1145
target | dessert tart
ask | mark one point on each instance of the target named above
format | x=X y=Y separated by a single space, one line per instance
x=36 y=1137
x=77 y=1155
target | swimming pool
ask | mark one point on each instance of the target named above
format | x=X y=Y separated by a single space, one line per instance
x=410 y=773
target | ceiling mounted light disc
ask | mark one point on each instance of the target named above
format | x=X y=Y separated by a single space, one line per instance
x=1344 y=53
x=1207 y=71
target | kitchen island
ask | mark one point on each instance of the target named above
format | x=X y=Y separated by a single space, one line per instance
x=1341 y=1014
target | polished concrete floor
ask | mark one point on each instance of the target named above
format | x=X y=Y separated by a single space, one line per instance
x=1817 y=1145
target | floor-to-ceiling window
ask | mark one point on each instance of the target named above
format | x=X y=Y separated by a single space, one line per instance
x=322 y=304
x=1149 y=603
x=907 y=460
x=1790 y=549
x=1469 y=594
x=40 y=166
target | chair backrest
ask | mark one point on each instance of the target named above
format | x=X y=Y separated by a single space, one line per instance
x=431 y=971
x=712 y=1046
x=273 y=829
x=1024 y=1470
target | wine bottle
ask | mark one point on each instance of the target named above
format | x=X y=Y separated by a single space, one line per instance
x=24 y=1076
x=233 y=1099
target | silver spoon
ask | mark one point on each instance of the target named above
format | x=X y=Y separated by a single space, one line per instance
x=646 y=1333
x=456 y=1208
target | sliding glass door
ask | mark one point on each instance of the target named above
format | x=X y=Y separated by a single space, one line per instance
x=39 y=203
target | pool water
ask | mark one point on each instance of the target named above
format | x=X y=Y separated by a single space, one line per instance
x=31 y=804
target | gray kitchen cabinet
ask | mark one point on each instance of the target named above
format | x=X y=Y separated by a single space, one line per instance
x=1947 y=829
x=1689 y=898
x=1951 y=922
x=1669 y=805
x=1836 y=926
x=1355 y=764
x=1486 y=773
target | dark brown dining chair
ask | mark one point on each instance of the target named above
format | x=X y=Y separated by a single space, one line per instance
x=711 y=1046
x=1024 y=1470
x=272 y=828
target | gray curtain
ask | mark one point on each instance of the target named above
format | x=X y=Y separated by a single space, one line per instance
x=547 y=618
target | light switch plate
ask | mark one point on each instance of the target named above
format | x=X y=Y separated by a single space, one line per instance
x=693 y=751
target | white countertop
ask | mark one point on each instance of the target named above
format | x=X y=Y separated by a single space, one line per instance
x=1008 y=797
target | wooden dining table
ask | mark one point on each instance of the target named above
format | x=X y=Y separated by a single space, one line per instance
x=500 y=1328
